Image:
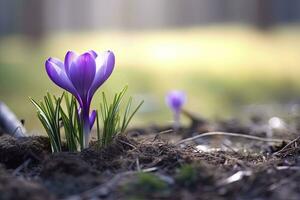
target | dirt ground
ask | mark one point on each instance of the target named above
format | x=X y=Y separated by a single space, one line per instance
x=235 y=161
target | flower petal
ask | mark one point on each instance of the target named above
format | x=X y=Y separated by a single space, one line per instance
x=175 y=100
x=56 y=72
x=57 y=62
x=105 y=63
x=82 y=73
x=92 y=118
x=93 y=53
x=69 y=58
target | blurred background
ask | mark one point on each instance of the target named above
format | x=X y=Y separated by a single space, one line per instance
x=232 y=57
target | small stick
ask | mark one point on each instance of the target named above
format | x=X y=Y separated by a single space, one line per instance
x=131 y=145
x=165 y=131
x=162 y=132
x=22 y=166
x=230 y=134
x=288 y=168
x=286 y=146
x=138 y=164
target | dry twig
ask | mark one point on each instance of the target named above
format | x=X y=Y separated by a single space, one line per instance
x=162 y=132
x=231 y=135
x=287 y=146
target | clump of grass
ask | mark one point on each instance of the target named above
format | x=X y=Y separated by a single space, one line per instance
x=54 y=116
x=73 y=125
x=114 y=121
x=48 y=112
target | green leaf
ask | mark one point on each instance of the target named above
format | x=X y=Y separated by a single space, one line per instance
x=113 y=123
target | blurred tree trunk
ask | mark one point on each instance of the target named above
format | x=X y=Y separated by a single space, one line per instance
x=264 y=20
x=33 y=19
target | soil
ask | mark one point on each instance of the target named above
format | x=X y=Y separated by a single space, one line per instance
x=151 y=163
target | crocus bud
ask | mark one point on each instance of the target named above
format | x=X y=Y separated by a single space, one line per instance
x=175 y=100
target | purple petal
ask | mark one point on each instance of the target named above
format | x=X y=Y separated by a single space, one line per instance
x=82 y=73
x=105 y=63
x=92 y=118
x=57 y=62
x=56 y=72
x=175 y=100
x=93 y=53
x=69 y=58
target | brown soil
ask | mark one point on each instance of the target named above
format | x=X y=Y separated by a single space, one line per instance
x=147 y=164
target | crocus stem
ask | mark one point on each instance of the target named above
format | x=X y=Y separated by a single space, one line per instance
x=176 y=124
x=86 y=127
x=86 y=134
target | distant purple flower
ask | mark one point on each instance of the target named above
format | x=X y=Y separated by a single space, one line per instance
x=82 y=75
x=175 y=100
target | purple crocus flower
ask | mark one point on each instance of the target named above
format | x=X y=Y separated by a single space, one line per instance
x=175 y=100
x=82 y=75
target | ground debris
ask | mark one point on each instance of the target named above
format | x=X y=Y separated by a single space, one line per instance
x=149 y=168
